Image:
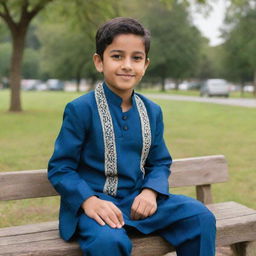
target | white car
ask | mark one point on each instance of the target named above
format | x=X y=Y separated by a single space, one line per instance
x=215 y=87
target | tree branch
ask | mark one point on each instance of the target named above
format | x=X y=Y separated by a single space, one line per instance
x=7 y=17
x=24 y=10
x=2 y=15
x=38 y=8
x=7 y=13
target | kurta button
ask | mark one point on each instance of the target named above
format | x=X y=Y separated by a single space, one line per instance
x=124 y=117
x=125 y=127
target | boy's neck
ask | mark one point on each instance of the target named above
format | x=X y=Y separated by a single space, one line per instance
x=125 y=95
x=127 y=100
x=126 y=105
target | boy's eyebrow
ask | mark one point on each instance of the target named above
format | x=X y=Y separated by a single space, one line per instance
x=120 y=51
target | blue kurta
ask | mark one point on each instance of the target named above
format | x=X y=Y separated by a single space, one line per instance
x=76 y=168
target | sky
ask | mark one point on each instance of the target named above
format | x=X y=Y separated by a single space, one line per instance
x=209 y=26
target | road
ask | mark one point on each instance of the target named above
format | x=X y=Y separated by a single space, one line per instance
x=249 y=103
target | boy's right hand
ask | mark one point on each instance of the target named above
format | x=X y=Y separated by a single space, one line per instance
x=104 y=212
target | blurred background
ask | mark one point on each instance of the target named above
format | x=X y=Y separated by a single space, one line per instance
x=200 y=49
x=192 y=41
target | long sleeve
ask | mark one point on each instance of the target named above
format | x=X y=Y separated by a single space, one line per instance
x=157 y=167
x=62 y=167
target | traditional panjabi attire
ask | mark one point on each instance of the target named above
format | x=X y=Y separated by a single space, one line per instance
x=103 y=151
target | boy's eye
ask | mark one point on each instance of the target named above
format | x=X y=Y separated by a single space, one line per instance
x=137 y=58
x=116 y=56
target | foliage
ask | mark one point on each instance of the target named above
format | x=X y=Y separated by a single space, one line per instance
x=240 y=48
x=30 y=67
x=73 y=39
x=5 y=53
x=175 y=42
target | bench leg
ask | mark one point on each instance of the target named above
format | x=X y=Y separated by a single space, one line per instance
x=244 y=249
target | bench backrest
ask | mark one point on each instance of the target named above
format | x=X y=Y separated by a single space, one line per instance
x=197 y=171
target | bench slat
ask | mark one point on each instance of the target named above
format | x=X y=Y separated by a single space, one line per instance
x=222 y=211
x=185 y=172
x=235 y=223
x=198 y=171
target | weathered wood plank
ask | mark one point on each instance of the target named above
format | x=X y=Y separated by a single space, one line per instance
x=185 y=172
x=29 y=228
x=53 y=245
x=203 y=194
x=236 y=230
x=239 y=249
x=150 y=246
x=25 y=184
x=235 y=223
x=198 y=171
x=229 y=210
x=244 y=249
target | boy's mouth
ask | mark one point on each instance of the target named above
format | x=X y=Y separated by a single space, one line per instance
x=126 y=76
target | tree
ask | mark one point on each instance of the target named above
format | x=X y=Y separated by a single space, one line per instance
x=5 y=53
x=175 y=43
x=240 y=47
x=18 y=15
x=74 y=50
x=73 y=39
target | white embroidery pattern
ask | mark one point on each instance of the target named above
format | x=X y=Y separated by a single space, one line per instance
x=146 y=131
x=111 y=182
x=111 y=173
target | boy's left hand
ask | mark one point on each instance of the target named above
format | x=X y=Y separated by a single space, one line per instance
x=144 y=205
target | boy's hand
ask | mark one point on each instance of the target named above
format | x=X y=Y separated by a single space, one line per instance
x=144 y=205
x=104 y=212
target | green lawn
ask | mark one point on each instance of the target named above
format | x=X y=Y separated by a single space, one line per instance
x=237 y=94
x=191 y=129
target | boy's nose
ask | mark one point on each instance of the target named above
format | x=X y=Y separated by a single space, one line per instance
x=127 y=64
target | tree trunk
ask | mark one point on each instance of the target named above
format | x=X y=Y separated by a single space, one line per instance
x=176 y=85
x=18 y=45
x=163 y=84
x=79 y=75
x=78 y=82
x=254 y=84
x=242 y=89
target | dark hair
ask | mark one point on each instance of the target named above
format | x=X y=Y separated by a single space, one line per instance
x=108 y=31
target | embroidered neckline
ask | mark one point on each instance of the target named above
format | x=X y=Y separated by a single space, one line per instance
x=111 y=172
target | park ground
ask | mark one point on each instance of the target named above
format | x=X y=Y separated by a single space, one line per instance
x=191 y=129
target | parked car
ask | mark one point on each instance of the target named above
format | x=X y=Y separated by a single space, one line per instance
x=189 y=85
x=30 y=84
x=215 y=87
x=55 y=85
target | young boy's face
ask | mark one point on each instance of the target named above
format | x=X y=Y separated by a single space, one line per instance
x=124 y=62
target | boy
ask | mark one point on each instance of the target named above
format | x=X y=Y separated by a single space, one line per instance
x=110 y=164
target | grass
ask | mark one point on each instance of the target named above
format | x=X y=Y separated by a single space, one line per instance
x=191 y=129
x=236 y=94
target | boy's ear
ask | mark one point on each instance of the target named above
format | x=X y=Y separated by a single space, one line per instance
x=98 y=62
x=146 y=64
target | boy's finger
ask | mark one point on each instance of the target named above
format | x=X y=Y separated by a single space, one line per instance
x=134 y=208
x=107 y=216
x=133 y=213
x=146 y=212
x=110 y=222
x=119 y=215
x=99 y=220
x=113 y=217
x=138 y=214
x=152 y=211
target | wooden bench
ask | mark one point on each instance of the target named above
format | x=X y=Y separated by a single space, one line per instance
x=236 y=224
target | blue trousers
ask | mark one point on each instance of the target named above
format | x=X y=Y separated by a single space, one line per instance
x=192 y=236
